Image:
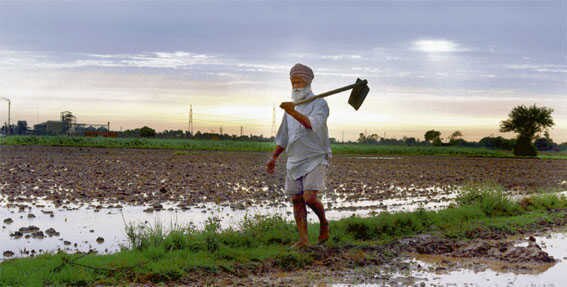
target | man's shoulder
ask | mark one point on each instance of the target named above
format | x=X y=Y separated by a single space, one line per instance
x=321 y=102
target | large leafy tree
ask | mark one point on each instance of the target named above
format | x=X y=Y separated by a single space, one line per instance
x=147 y=132
x=433 y=136
x=527 y=122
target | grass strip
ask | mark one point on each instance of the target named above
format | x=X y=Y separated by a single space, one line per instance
x=251 y=146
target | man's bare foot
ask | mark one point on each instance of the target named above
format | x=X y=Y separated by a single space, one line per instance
x=323 y=233
x=300 y=245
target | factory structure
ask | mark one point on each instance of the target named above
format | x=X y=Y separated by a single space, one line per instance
x=67 y=125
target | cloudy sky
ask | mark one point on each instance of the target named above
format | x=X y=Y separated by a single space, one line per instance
x=447 y=65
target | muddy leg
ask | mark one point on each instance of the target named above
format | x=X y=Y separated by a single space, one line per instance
x=310 y=197
x=300 y=214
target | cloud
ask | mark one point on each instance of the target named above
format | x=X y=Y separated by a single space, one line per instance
x=341 y=57
x=437 y=46
x=167 y=60
x=541 y=68
x=262 y=67
x=175 y=60
x=318 y=56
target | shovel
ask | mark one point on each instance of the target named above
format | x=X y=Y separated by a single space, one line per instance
x=357 y=95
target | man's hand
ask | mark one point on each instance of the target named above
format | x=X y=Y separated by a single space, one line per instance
x=271 y=165
x=288 y=106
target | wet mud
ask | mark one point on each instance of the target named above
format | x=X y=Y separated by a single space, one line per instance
x=68 y=175
x=101 y=180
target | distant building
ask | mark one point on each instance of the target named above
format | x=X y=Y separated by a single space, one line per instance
x=49 y=128
x=68 y=126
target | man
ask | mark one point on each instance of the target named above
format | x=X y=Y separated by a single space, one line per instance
x=303 y=134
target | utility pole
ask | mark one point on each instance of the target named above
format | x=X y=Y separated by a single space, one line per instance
x=9 y=104
x=343 y=137
x=241 y=130
x=220 y=130
x=190 y=126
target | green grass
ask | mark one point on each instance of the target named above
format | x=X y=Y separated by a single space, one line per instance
x=158 y=256
x=552 y=155
x=228 y=145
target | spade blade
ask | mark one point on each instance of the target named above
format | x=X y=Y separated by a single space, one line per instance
x=358 y=94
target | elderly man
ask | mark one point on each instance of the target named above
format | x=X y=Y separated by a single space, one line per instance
x=303 y=134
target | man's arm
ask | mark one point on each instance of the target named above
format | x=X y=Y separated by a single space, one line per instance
x=289 y=108
x=277 y=152
x=271 y=164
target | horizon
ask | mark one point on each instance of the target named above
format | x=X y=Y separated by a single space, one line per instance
x=437 y=65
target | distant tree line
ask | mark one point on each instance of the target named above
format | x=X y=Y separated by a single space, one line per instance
x=531 y=123
x=148 y=132
x=433 y=138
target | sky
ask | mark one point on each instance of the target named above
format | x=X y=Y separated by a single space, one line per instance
x=444 y=65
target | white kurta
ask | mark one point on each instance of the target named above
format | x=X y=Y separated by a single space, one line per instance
x=305 y=148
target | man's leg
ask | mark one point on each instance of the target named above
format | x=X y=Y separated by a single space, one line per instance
x=310 y=198
x=300 y=214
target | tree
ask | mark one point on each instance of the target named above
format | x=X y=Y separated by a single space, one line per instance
x=147 y=132
x=527 y=122
x=545 y=143
x=497 y=143
x=433 y=136
x=456 y=138
x=370 y=139
x=409 y=141
x=456 y=135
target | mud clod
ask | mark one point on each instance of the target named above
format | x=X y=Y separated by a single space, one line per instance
x=51 y=232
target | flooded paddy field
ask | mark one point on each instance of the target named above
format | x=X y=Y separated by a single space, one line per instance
x=37 y=226
x=80 y=199
x=70 y=175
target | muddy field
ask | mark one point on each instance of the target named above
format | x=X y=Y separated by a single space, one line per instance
x=51 y=199
x=135 y=176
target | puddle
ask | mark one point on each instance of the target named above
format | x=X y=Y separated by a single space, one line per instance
x=412 y=203
x=79 y=226
x=440 y=271
x=499 y=274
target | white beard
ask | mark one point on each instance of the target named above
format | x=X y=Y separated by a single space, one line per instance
x=299 y=94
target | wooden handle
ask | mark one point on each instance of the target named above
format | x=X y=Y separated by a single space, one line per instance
x=332 y=92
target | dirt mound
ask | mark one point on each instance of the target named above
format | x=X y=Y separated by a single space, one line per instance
x=508 y=251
